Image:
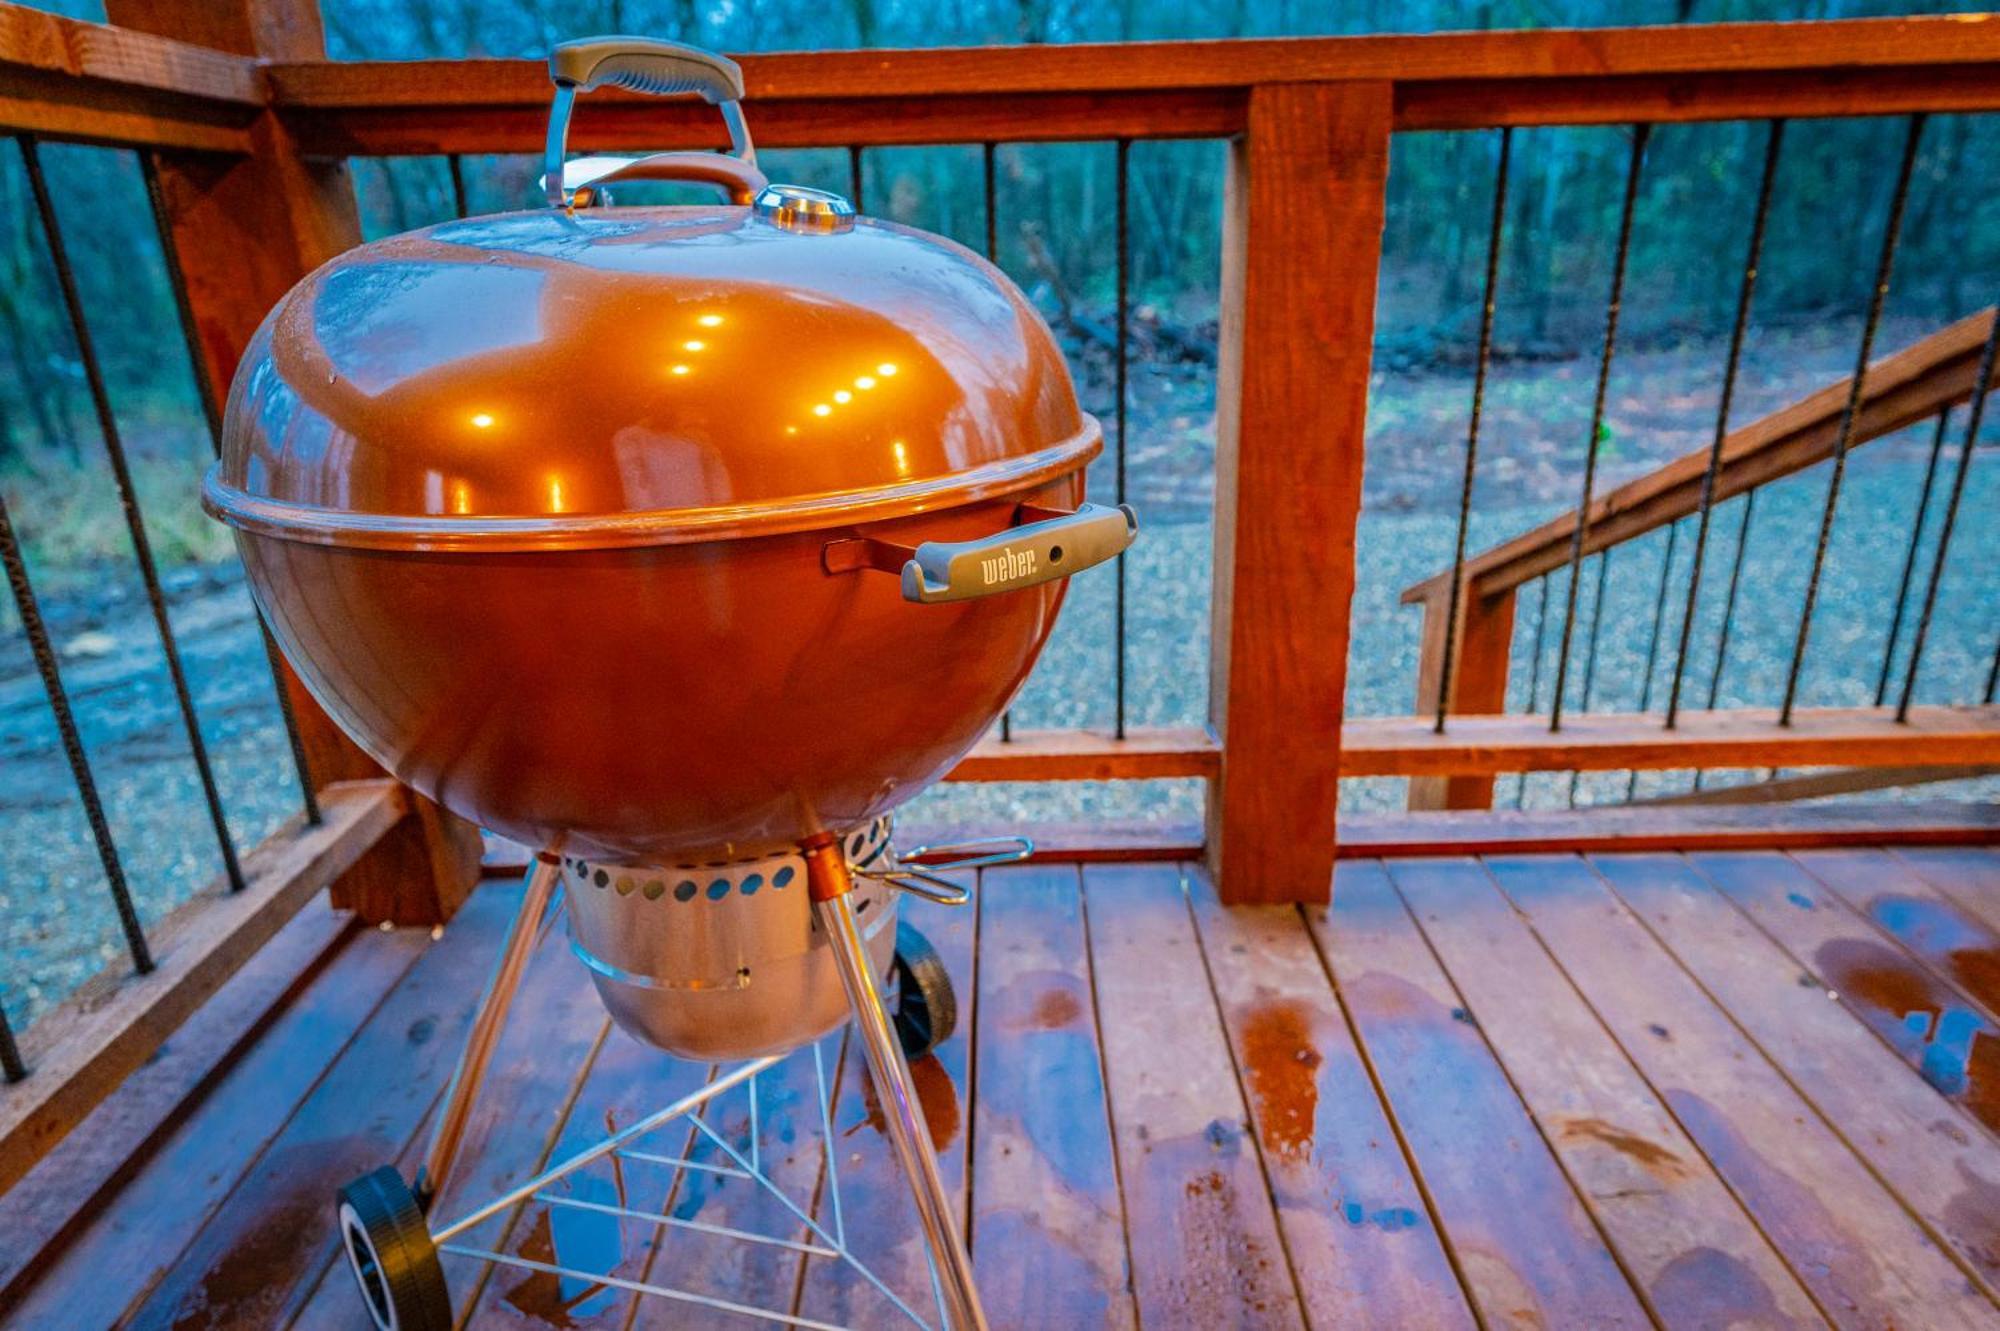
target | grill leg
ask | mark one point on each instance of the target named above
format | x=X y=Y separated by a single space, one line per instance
x=543 y=878
x=833 y=906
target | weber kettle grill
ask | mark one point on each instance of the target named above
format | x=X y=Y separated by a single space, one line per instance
x=682 y=544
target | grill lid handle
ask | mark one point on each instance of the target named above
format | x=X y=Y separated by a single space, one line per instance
x=638 y=64
x=1024 y=556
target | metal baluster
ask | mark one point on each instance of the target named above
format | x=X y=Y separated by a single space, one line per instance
x=1493 y=238
x=1891 y=233
x=1639 y=135
x=135 y=524
x=11 y=1067
x=211 y=408
x=1910 y=556
x=993 y=257
x=1590 y=649
x=456 y=166
x=1729 y=607
x=1124 y=360
x=854 y=175
x=1993 y=675
x=1980 y=387
x=72 y=742
x=1751 y=259
x=1653 y=641
x=1534 y=679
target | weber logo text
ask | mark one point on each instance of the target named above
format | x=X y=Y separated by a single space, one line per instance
x=1008 y=566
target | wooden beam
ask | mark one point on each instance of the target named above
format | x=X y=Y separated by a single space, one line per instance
x=1745 y=737
x=1006 y=71
x=1084 y=755
x=1898 y=390
x=1587 y=831
x=1302 y=216
x=240 y=231
x=88 y=82
x=1481 y=652
x=79 y=1052
x=1814 y=785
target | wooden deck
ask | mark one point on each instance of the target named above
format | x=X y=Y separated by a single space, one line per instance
x=1722 y=1089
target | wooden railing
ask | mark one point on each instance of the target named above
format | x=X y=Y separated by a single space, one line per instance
x=243 y=127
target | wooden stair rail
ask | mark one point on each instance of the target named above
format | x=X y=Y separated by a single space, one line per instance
x=1898 y=390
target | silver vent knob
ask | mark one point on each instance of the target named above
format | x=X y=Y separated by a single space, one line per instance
x=797 y=208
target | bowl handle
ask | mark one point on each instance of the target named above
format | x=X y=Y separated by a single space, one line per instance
x=1024 y=556
x=641 y=64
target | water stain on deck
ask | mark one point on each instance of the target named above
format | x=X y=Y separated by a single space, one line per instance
x=1055 y=1009
x=1281 y=1070
x=565 y=1301
x=937 y=1097
x=1224 y=1276
x=237 y=1290
x=1936 y=930
x=1654 y=1158
x=1954 y=1047
x=1709 y=1287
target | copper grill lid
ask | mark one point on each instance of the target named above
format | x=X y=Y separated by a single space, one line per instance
x=626 y=376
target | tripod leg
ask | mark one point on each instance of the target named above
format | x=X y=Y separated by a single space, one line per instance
x=833 y=906
x=543 y=878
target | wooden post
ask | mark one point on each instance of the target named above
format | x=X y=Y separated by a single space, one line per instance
x=243 y=230
x=1478 y=682
x=1302 y=236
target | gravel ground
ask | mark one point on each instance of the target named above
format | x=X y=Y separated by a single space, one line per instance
x=57 y=926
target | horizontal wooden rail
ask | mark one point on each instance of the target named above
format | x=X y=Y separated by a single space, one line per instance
x=1899 y=390
x=80 y=1052
x=1480 y=745
x=96 y=83
x=1179 y=89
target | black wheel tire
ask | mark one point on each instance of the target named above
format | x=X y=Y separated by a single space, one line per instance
x=926 y=1006
x=390 y=1252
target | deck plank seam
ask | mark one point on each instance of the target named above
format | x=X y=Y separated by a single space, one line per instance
x=658 y=1241
x=1367 y=1057
x=1658 y=1092
x=1243 y=1093
x=1984 y=911
x=1943 y=1243
x=1478 y=1024
x=1894 y=944
x=1110 y=1108
x=1923 y=963
x=137 y=1302
x=585 y=1066
x=799 y=1269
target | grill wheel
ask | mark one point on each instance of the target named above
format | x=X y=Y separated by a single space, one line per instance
x=926 y=1006
x=390 y=1252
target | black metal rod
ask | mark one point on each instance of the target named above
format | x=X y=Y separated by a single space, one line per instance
x=1590 y=649
x=854 y=176
x=1639 y=135
x=1729 y=597
x=128 y=498
x=72 y=741
x=11 y=1066
x=1493 y=238
x=1534 y=677
x=454 y=164
x=1980 y=387
x=1993 y=675
x=1653 y=640
x=1745 y=293
x=1121 y=377
x=211 y=408
x=1910 y=557
x=1884 y=267
x=993 y=257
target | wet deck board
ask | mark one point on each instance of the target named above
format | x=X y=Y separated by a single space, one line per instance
x=1523 y=1239
x=1363 y=1244
x=1220 y=1092
x=1709 y=909
x=1846 y=1236
x=1690 y=1250
x=1204 y=1237
x=1047 y=1221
